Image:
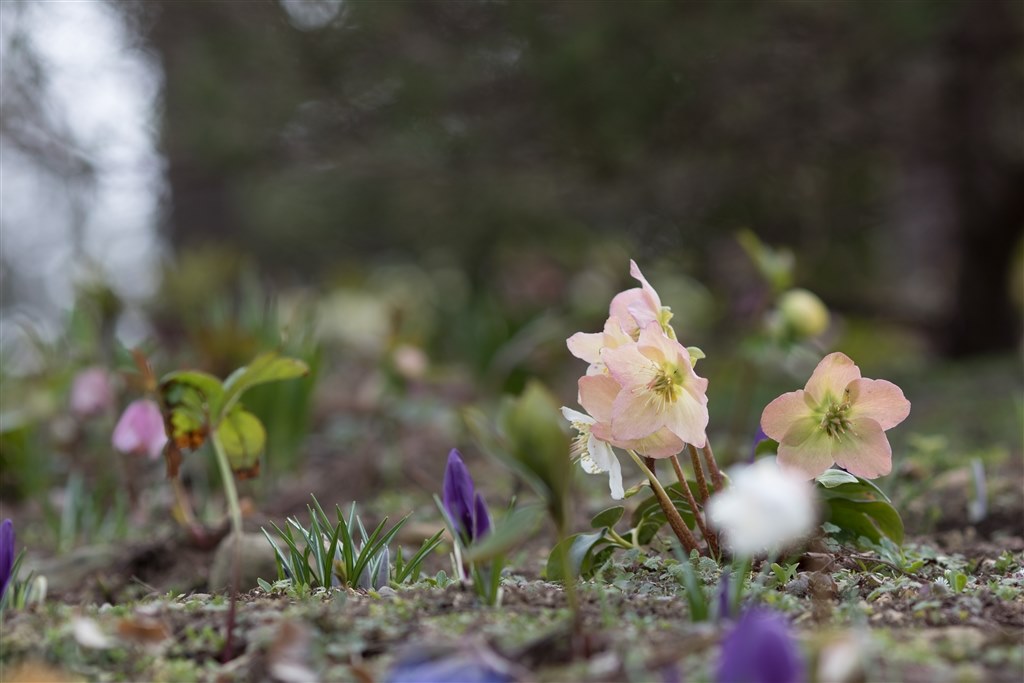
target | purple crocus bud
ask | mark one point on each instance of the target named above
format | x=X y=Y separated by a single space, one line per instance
x=758 y=438
x=760 y=649
x=6 y=554
x=140 y=429
x=91 y=392
x=724 y=598
x=465 y=507
x=481 y=518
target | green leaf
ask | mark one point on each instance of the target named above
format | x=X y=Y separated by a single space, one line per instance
x=534 y=432
x=832 y=478
x=578 y=551
x=268 y=367
x=607 y=518
x=871 y=519
x=243 y=438
x=514 y=529
x=206 y=384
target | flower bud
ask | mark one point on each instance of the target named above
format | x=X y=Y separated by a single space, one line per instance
x=803 y=312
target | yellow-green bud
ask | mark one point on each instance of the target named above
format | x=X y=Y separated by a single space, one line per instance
x=803 y=312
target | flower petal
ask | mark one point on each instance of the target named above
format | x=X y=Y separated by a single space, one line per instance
x=633 y=415
x=805 y=449
x=780 y=414
x=660 y=444
x=576 y=416
x=863 y=450
x=597 y=394
x=830 y=378
x=604 y=457
x=628 y=366
x=586 y=346
x=879 y=400
x=687 y=416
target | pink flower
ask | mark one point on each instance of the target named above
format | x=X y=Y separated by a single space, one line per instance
x=587 y=346
x=636 y=308
x=659 y=389
x=140 y=429
x=839 y=417
x=91 y=393
x=597 y=395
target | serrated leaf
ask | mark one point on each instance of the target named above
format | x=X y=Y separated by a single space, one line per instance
x=514 y=529
x=243 y=438
x=578 y=550
x=607 y=518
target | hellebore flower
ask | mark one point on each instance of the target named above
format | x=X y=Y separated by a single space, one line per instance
x=7 y=539
x=587 y=346
x=140 y=429
x=464 y=505
x=595 y=456
x=659 y=389
x=91 y=393
x=634 y=309
x=765 y=509
x=839 y=417
x=760 y=649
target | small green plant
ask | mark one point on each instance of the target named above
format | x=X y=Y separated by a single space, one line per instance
x=326 y=553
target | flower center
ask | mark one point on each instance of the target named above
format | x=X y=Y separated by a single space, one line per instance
x=668 y=383
x=835 y=420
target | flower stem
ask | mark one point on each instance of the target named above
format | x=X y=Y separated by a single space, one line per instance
x=675 y=521
x=716 y=474
x=698 y=472
x=709 y=536
x=230 y=492
x=619 y=540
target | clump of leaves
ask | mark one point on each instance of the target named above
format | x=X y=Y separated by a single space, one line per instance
x=343 y=553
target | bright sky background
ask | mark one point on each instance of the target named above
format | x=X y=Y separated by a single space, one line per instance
x=104 y=92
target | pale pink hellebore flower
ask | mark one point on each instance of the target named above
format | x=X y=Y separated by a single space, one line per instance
x=634 y=309
x=659 y=388
x=597 y=395
x=839 y=417
x=91 y=393
x=140 y=429
x=587 y=345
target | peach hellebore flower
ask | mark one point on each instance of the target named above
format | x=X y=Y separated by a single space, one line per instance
x=587 y=345
x=659 y=388
x=636 y=308
x=839 y=417
x=140 y=429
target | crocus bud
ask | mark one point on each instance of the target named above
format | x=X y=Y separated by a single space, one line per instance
x=91 y=392
x=465 y=507
x=760 y=648
x=803 y=312
x=7 y=539
x=140 y=429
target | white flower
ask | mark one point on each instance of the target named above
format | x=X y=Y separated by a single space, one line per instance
x=765 y=509
x=595 y=455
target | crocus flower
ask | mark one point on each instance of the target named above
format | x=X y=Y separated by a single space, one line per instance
x=91 y=393
x=765 y=509
x=7 y=539
x=140 y=429
x=659 y=389
x=467 y=664
x=760 y=649
x=464 y=505
x=839 y=417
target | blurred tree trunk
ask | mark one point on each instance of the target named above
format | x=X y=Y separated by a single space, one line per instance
x=987 y=177
x=216 y=57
